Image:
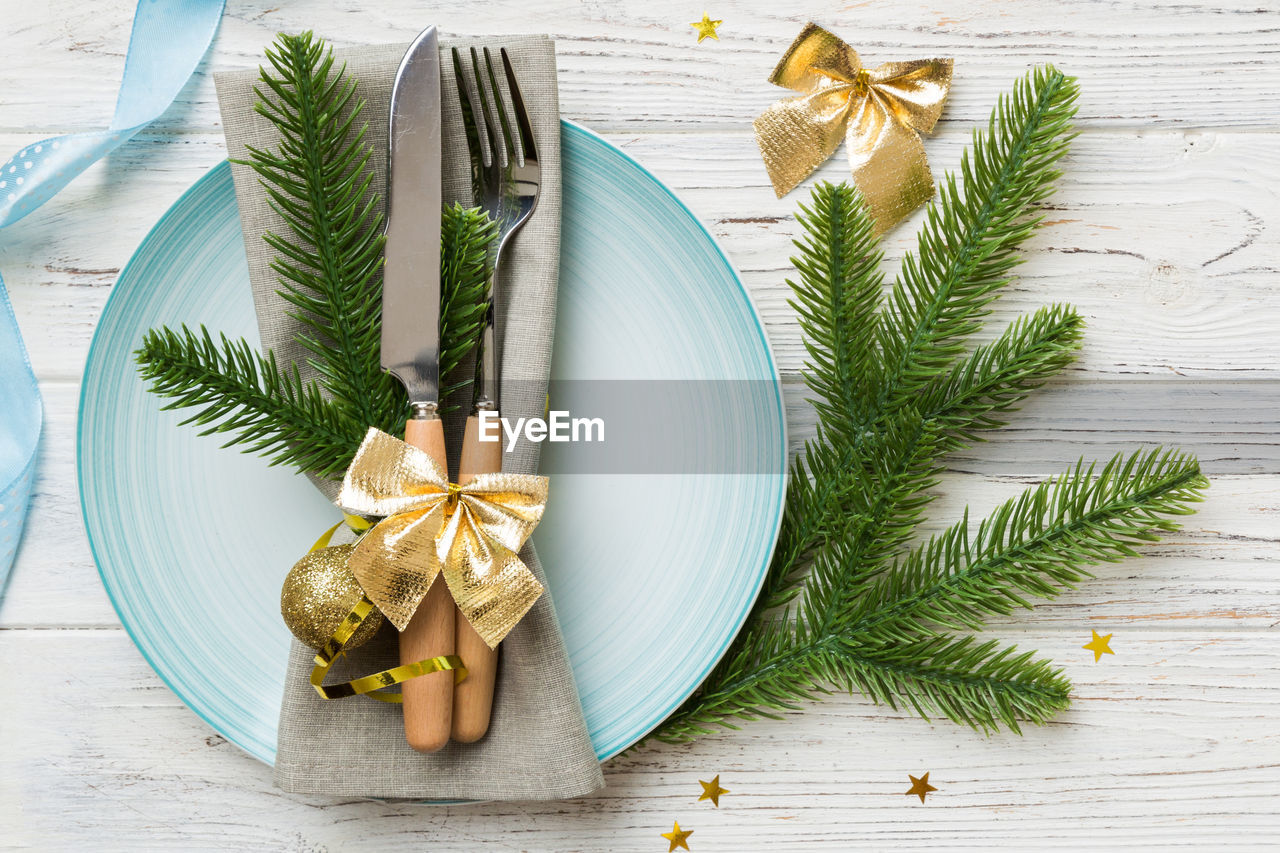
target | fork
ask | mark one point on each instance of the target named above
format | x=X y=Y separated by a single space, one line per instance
x=506 y=181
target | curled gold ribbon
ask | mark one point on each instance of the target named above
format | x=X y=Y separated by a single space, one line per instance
x=879 y=113
x=357 y=524
x=366 y=685
x=471 y=534
x=333 y=649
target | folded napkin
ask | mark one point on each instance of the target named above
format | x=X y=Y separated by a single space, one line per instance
x=537 y=747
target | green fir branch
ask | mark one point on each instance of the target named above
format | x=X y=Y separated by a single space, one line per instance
x=466 y=235
x=320 y=182
x=997 y=377
x=842 y=606
x=1033 y=546
x=969 y=243
x=329 y=260
x=837 y=301
x=238 y=391
x=981 y=685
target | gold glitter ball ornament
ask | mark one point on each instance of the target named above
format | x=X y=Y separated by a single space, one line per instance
x=318 y=593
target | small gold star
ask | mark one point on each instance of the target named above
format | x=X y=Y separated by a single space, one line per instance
x=920 y=786
x=677 y=837
x=706 y=28
x=1099 y=645
x=712 y=791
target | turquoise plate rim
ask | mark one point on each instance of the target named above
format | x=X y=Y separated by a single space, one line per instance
x=603 y=753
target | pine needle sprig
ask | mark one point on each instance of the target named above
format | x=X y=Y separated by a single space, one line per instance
x=981 y=685
x=1033 y=546
x=969 y=242
x=945 y=296
x=997 y=377
x=329 y=260
x=319 y=181
x=466 y=233
x=241 y=392
x=846 y=604
x=836 y=302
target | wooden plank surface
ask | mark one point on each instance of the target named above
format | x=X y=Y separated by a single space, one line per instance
x=632 y=65
x=1172 y=267
x=1164 y=235
x=1134 y=763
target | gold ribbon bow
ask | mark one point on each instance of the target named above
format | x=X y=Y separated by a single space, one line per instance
x=471 y=534
x=879 y=113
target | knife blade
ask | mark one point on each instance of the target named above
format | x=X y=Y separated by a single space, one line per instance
x=411 y=269
x=411 y=350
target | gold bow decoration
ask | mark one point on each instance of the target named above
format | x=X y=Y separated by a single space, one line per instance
x=471 y=534
x=879 y=113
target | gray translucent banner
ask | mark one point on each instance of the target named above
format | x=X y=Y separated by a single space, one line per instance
x=656 y=427
x=732 y=427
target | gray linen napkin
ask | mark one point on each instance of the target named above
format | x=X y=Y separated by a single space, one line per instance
x=537 y=747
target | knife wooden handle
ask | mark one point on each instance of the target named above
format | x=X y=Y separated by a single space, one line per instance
x=473 y=698
x=428 y=699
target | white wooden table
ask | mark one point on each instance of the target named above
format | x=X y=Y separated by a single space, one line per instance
x=1165 y=234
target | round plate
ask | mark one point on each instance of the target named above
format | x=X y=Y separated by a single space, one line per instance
x=193 y=540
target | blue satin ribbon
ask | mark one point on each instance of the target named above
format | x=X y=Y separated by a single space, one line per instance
x=169 y=39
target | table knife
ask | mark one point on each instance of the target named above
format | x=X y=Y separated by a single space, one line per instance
x=411 y=348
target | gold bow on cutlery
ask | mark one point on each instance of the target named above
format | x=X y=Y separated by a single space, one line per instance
x=880 y=114
x=471 y=534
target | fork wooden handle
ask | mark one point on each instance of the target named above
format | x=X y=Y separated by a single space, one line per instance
x=473 y=698
x=428 y=699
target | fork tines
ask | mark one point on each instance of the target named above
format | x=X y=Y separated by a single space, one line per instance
x=495 y=132
x=505 y=179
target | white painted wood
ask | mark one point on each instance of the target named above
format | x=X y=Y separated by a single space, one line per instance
x=1167 y=244
x=630 y=65
x=1170 y=740
x=1164 y=234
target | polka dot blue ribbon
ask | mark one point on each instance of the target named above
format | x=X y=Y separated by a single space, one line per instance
x=169 y=38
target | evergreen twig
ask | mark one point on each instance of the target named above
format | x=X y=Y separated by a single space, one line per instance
x=329 y=261
x=844 y=605
x=320 y=183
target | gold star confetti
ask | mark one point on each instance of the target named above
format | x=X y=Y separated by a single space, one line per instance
x=920 y=786
x=677 y=837
x=712 y=791
x=1099 y=645
x=706 y=28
